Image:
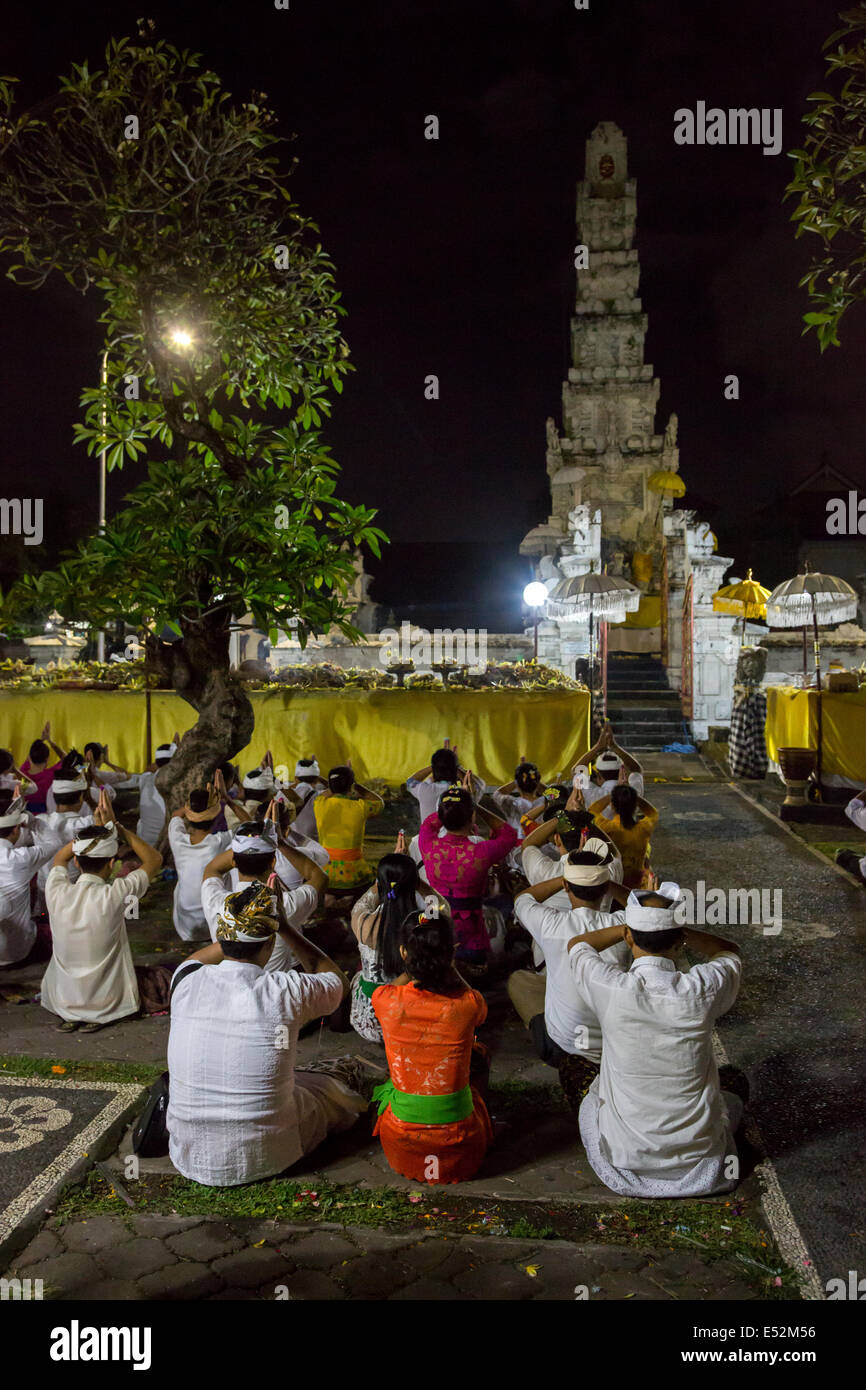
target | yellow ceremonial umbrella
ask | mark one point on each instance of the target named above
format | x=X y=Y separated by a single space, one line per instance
x=666 y=484
x=746 y=599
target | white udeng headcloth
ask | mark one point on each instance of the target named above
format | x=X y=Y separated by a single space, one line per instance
x=260 y=839
x=311 y=771
x=587 y=875
x=260 y=779
x=608 y=762
x=650 y=919
x=67 y=785
x=14 y=813
x=105 y=847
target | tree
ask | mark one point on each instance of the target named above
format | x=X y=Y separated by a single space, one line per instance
x=145 y=182
x=830 y=182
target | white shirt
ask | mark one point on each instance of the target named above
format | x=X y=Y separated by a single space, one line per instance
x=305 y=820
x=151 y=807
x=90 y=976
x=594 y=793
x=513 y=808
x=856 y=812
x=540 y=868
x=565 y=1011
x=654 y=1122
x=233 y=1107
x=286 y=872
x=18 y=863
x=92 y=796
x=427 y=792
x=65 y=825
x=191 y=861
x=299 y=904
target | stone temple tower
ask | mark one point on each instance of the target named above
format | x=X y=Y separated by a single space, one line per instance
x=608 y=447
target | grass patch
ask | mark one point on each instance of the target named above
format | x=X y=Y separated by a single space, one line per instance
x=525 y=1230
x=142 y=1073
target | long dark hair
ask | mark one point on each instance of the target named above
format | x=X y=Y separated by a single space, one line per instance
x=455 y=807
x=429 y=946
x=623 y=799
x=397 y=879
x=341 y=780
x=443 y=765
x=528 y=778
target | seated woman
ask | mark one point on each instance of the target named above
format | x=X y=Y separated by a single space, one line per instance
x=376 y=921
x=457 y=865
x=341 y=818
x=433 y=1123
x=630 y=828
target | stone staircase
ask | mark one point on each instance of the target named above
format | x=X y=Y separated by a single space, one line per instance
x=644 y=713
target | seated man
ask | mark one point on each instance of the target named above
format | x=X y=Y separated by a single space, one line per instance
x=306 y=786
x=846 y=858
x=252 y=858
x=72 y=764
x=443 y=770
x=567 y=1034
x=90 y=979
x=25 y=845
x=606 y=759
x=10 y=774
x=151 y=806
x=194 y=841
x=68 y=791
x=655 y=1123
x=238 y=1111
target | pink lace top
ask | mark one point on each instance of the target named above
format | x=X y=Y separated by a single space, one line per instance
x=457 y=867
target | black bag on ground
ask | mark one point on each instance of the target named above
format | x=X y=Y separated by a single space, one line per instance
x=150 y=1136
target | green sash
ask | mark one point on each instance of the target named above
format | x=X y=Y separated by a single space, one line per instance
x=367 y=986
x=424 y=1110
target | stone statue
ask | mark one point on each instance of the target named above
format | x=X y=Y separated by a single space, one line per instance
x=578 y=523
x=553 y=443
x=671 y=431
x=751 y=665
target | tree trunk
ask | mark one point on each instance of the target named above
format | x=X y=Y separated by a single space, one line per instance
x=198 y=667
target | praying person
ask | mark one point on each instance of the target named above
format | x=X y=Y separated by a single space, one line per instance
x=151 y=806
x=377 y=918
x=457 y=864
x=10 y=774
x=630 y=828
x=68 y=789
x=656 y=1123
x=566 y=1032
x=110 y=775
x=37 y=770
x=72 y=765
x=307 y=785
x=442 y=772
x=606 y=759
x=342 y=812
x=846 y=858
x=287 y=822
x=256 y=792
x=433 y=1122
x=25 y=845
x=194 y=843
x=90 y=980
x=238 y=1110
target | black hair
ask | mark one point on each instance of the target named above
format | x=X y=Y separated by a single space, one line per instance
x=443 y=765
x=527 y=778
x=229 y=772
x=257 y=863
x=71 y=763
x=556 y=799
x=397 y=878
x=623 y=799
x=90 y=864
x=200 y=824
x=255 y=794
x=199 y=799
x=455 y=808
x=39 y=751
x=67 y=798
x=588 y=892
x=341 y=780
x=429 y=952
x=94 y=748
x=6 y=799
x=657 y=941
x=6 y=760
x=242 y=950
x=579 y=821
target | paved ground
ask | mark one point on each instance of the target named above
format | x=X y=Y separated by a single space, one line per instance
x=802 y=1052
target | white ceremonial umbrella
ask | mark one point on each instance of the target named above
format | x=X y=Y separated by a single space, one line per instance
x=601 y=596
x=819 y=599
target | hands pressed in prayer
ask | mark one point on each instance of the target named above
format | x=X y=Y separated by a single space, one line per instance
x=175 y=738
x=103 y=813
x=467 y=781
x=576 y=800
x=400 y=846
x=219 y=786
x=623 y=774
x=46 y=732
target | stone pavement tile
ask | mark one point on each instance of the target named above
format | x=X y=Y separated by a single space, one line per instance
x=65 y=1274
x=734 y=1291
x=135 y=1258
x=373 y=1275
x=271 y=1231
x=496 y=1279
x=96 y=1233
x=616 y=1258
x=43 y=1246
x=107 y=1290
x=321 y=1250
x=424 y=1289
x=427 y=1255
x=188 y=1279
x=250 y=1268
x=615 y=1286
x=311 y=1284
x=206 y=1241
x=161 y=1226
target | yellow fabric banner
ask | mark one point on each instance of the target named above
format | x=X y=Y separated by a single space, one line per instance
x=792 y=722
x=386 y=733
x=649 y=614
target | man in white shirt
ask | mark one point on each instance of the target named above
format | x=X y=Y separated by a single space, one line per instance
x=151 y=806
x=252 y=858
x=90 y=979
x=854 y=863
x=68 y=791
x=238 y=1111
x=194 y=843
x=25 y=845
x=655 y=1123
x=307 y=785
x=71 y=765
x=568 y=1027
x=608 y=761
x=442 y=772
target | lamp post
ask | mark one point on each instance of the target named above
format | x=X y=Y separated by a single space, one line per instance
x=103 y=420
x=535 y=596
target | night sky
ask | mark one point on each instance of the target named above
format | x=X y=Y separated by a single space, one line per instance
x=456 y=257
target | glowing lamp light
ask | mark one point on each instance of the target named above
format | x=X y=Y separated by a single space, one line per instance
x=181 y=338
x=535 y=594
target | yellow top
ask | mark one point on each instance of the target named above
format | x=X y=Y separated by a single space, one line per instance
x=341 y=820
x=633 y=844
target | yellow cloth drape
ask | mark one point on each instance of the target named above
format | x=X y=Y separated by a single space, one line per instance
x=792 y=722
x=387 y=733
x=649 y=614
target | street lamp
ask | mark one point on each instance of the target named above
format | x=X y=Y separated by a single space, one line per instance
x=103 y=420
x=535 y=596
x=181 y=338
